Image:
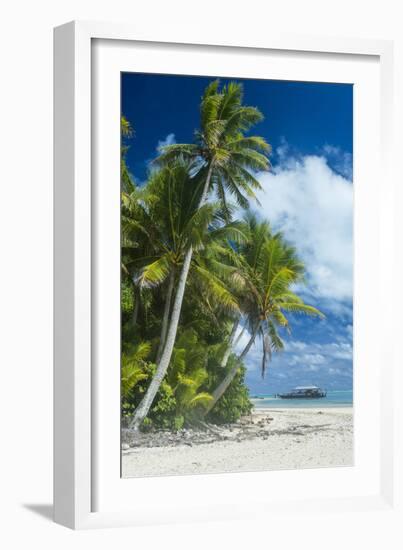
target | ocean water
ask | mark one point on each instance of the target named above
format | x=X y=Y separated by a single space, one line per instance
x=333 y=399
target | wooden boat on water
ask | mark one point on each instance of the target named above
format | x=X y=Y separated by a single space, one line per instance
x=303 y=392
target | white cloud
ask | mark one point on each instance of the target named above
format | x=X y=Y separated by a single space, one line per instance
x=283 y=150
x=317 y=353
x=169 y=140
x=313 y=206
x=310 y=356
x=342 y=161
x=299 y=345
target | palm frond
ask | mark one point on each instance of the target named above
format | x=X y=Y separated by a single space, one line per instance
x=154 y=273
x=201 y=399
x=171 y=153
x=216 y=288
x=301 y=308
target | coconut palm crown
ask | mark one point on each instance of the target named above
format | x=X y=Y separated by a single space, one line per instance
x=222 y=150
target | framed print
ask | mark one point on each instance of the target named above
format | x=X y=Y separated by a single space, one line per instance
x=267 y=302
x=220 y=250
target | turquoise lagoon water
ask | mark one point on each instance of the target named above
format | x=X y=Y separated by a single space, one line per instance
x=332 y=399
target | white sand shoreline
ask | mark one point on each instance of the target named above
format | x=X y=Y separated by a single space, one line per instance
x=283 y=439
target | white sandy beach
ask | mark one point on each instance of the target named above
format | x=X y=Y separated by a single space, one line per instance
x=270 y=439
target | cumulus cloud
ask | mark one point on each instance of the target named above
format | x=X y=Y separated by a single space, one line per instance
x=317 y=353
x=341 y=160
x=310 y=199
x=313 y=206
x=327 y=365
x=169 y=140
x=327 y=361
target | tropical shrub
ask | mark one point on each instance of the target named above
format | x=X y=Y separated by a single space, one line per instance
x=184 y=394
x=235 y=402
x=127 y=298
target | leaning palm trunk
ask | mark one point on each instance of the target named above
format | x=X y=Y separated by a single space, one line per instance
x=223 y=386
x=227 y=352
x=232 y=344
x=162 y=366
x=165 y=319
x=144 y=407
x=237 y=339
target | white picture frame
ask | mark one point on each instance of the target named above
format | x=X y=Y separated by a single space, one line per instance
x=79 y=435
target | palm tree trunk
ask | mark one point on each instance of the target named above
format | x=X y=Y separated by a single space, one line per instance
x=223 y=386
x=206 y=187
x=249 y=344
x=165 y=318
x=136 y=308
x=239 y=336
x=227 y=352
x=145 y=404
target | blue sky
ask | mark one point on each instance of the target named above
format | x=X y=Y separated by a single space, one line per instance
x=308 y=195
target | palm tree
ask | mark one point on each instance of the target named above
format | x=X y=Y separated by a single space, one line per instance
x=224 y=158
x=126 y=132
x=158 y=226
x=269 y=269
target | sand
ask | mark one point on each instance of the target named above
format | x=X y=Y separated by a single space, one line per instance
x=270 y=439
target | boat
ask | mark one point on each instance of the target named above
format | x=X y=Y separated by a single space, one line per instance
x=303 y=392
